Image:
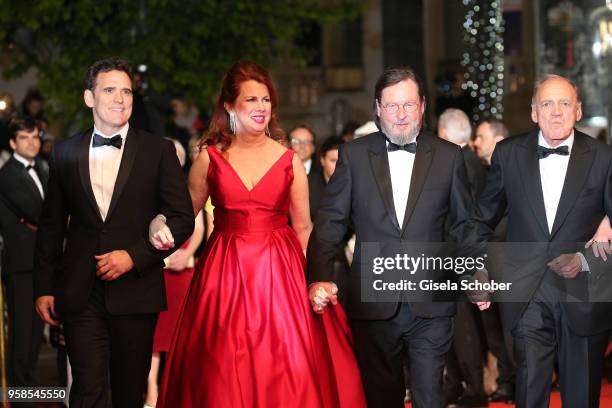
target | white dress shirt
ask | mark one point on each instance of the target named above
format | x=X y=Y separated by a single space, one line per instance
x=104 y=162
x=308 y=166
x=553 y=170
x=31 y=172
x=401 y=163
x=552 y=175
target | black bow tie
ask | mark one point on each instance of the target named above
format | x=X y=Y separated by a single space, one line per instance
x=28 y=167
x=544 y=152
x=410 y=147
x=114 y=141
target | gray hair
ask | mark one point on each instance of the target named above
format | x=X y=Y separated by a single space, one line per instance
x=457 y=125
x=548 y=77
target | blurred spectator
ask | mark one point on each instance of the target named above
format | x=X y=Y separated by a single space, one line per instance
x=454 y=126
x=348 y=132
x=148 y=105
x=22 y=190
x=186 y=121
x=302 y=140
x=488 y=133
x=33 y=106
x=318 y=181
x=316 y=186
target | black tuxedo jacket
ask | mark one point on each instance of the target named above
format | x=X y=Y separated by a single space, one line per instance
x=149 y=182
x=360 y=193
x=20 y=206
x=514 y=185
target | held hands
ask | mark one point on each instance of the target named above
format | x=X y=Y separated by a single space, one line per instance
x=178 y=260
x=480 y=298
x=159 y=233
x=112 y=265
x=566 y=265
x=320 y=294
x=45 y=307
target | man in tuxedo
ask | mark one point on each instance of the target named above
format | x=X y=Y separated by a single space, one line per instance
x=556 y=185
x=106 y=286
x=303 y=143
x=396 y=185
x=23 y=182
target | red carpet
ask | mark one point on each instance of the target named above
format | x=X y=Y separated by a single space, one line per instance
x=555 y=399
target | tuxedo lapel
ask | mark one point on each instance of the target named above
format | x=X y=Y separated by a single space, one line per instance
x=27 y=179
x=83 y=157
x=379 y=161
x=529 y=170
x=125 y=168
x=580 y=162
x=43 y=175
x=422 y=162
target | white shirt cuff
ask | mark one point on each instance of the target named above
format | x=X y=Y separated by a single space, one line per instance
x=583 y=261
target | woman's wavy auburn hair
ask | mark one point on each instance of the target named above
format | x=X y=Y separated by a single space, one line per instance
x=219 y=133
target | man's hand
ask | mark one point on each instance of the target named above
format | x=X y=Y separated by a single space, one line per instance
x=600 y=248
x=566 y=265
x=320 y=294
x=480 y=297
x=112 y=265
x=178 y=260
x=159 y=233
x=45 y=307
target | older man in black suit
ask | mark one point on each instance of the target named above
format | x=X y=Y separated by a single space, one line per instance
x=556 y=185
x=397 y=185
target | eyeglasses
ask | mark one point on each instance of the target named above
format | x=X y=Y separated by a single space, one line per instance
x=298 y=142
x=409 y=107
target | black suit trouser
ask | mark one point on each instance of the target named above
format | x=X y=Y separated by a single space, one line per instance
x=499 y=343
x=543 y=332
x=24 y=332
x=380 y=346
x=108 y=354
x=467 y=358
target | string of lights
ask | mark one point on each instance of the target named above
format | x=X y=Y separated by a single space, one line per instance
x=483 y=59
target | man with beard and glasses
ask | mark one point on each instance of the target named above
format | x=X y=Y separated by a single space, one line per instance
x=396 y=185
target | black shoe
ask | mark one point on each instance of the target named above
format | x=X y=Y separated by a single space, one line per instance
x=504 y=393
x=467 y=401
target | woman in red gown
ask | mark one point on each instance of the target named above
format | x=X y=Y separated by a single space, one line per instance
x=247 y=336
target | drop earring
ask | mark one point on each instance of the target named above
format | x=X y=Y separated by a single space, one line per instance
x=232 y=122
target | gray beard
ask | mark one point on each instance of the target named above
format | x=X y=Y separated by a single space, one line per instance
x=403 y=137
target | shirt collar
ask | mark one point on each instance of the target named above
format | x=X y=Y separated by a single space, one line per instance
x=23 y=160
x=569 y=142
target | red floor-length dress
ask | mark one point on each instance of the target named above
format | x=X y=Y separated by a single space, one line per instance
x=247 y=336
